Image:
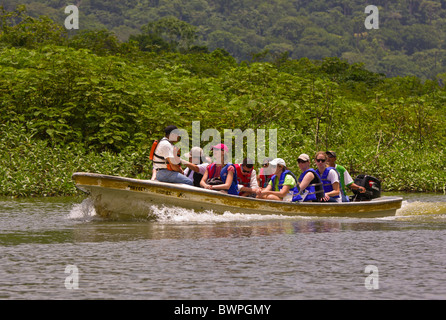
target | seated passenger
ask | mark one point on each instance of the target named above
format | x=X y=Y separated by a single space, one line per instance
x=329 y=177
x=310 y=184
x=283 y=184
x=344 y=177
x=165 y=159
x=246 y=178
x=265 y=173
x=195 y=166
x=221 y=171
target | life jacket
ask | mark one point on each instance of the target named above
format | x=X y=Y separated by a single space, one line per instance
x=233 y=189
x=328 y=187
x=314 y=191
x=264 y=179
x=157 y=158
x=294 y=191
x=244 y=180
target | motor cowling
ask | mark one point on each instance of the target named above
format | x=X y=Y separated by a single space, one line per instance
x=372 y=188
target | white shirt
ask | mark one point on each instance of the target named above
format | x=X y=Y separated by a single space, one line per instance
x=190 y=173
x=165 y=150
x=333 y=176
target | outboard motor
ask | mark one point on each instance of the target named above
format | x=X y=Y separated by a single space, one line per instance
x=372 y=188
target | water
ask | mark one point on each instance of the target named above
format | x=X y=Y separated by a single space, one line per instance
x=185 y=255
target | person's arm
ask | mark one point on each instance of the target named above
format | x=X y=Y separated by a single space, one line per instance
x=253 y=184
x=191 y=166
x=355 y=186
x=228 y=182
x=333 y=178
x=175 y=167
x=282 y=193
x=203 y=183
x=306 y=181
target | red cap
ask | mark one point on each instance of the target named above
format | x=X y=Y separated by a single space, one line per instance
x=221 y=146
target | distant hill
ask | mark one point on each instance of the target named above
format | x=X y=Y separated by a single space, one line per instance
x=409 y=41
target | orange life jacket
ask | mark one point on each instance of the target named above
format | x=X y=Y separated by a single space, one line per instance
x=153 y=155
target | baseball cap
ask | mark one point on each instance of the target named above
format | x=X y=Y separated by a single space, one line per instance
x=304 y=157
x=277 y=161
x=331 y=153
x=221 y=146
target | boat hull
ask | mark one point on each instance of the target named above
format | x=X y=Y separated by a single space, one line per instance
x=119 y=197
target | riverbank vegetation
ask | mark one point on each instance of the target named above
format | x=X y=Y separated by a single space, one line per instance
x=93 y=103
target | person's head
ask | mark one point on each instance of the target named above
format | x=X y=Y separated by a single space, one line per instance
x=195 y=155
x=321 y=160
x=279 y=164
x=170 y=133
x=247 y=166
x=267 y=168
x=220 y=150
x=304 y=162
x=331 y=158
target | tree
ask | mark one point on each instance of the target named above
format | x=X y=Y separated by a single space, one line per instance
x=178 y=34
x=20 y=30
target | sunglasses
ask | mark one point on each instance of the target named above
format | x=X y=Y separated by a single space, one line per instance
x=246 y=171
x=301 y=161
x=320 y=160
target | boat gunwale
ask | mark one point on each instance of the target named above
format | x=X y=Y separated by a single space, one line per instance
x=186 y=188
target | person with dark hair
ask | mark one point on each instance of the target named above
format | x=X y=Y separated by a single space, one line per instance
x=165 y=158
x=344 y=177
x=247 y=178
x=310 y=183
x=265 y=173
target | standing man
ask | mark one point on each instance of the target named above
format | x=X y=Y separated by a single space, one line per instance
x=346 y=179
x=166 y=162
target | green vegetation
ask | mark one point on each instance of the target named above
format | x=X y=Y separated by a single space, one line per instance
x=94 y=103
x=409 y=41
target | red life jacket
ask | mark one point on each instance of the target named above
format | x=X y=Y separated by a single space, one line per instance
x=264 y=179
x=242 y=179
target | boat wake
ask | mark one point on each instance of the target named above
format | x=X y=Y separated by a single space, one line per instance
x=176 y=214
x=420 y=208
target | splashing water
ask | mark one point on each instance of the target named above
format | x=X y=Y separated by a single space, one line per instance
x=83 y=211
x=419 y=208
x=175 y=214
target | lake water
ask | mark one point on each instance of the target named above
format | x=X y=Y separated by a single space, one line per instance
x=56 y=248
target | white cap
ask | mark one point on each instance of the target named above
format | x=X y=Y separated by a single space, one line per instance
x=277 y=161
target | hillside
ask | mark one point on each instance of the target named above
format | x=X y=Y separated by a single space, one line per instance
x=409 y=41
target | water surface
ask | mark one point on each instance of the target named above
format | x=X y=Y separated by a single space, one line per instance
x=189 y=255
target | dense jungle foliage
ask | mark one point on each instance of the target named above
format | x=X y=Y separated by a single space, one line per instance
x=409 y=41
x=90 y=102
